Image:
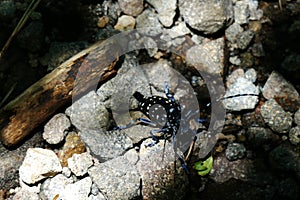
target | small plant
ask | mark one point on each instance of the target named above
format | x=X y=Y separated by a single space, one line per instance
x=204 y=167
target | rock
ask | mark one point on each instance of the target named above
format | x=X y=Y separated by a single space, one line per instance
x=233 y=31
x=156 y=166
x=39 y=164
x=273 y=114
x=251 y=75
x=294 y=135
x=116 y=178
x=261 y=137
x=235 y=151
x=242 y=94
x=55 y=129
x=244 y=39
x=79 y=163
x=106 y=145
x=24 y=194
x=147 y=23
x=131 y=7
x=125 y=23
x=258 y=49
x=72 y=145
x=297 y=117
x=207 y=16
x=234 y=60
x=177 y=30
x=210 y=55
x=103 y=21
x=165 y=9
x=241 y=12
x=285 y=94
x=255 y=13
x=7 y=10
x=89 y=113
x=31 y=37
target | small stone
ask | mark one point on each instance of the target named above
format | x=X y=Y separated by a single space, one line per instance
x=147 y=23
x=166 y=10
x=39 y=164
x=125 y=23
x=102 y=21
x=55 y=129
x=79 y=163
x=66 y=172
x=72 y=145
x=244 y=39
x=233 y=31
x=235 y=60
x=297 y=117
x=235 y=151
x=294 y=135
x=207 y=16
x=131 y=7
x=258 y=50
x=241 y=12
x=274 y=115
x=255 y=26
x=24 y=194
x=261 y=137
x=78 y=190
x=251 y=75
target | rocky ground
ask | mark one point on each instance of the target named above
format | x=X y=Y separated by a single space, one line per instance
x=234 y=63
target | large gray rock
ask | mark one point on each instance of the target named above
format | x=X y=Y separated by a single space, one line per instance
x=207 y=16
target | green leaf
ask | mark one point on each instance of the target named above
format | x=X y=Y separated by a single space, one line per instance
x=204 y=167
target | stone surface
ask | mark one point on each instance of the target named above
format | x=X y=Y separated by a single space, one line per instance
x=244 y=38
x=241 y=12
x=278 y=88
x=148 y=23
x=233 y=31
x=297 y=117
x=55 y=129
x=165 y=9
x=39 y=164
x=273 y=114
x=177 y=30
x=24 y=194
x=235 y=151
x=125 y=23
x=131 y=7
x=207 y=16
x=79 y=163
x=294 y=135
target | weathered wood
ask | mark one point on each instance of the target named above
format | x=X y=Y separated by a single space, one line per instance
x=35 y=105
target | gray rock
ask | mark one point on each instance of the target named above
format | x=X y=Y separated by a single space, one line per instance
x=261 y=137
x=7 y=10
x=207 y=16
x=273 y=114
x=177 y=30
x=165 y=9
x=233 y=31
x=116 y=178
x=39 y=164
x=244 y=39
x=235 y=60
x=24 y=194
x=53 y=186
x=209 y=55
x=147 y=23
x=251 y=75
x=106 y=145
x=297 y=117
x=66 y=172
x=255 y=13
x=235 y=151
x=79 y=163
x=241 y=12
x=55 y=129
x=258 y=49
x=277 y=87
x=78 y=190
x=89 y=113
x=131 y=7
x=294 y=135
x=242 y=94
x=125 y=23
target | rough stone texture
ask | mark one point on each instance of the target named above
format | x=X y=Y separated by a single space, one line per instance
x=39 y=164
x=294 y=135
x=207 y=16
x=166 y=10
x=89 y=113
x=273 y=114
x=116 y=178
x=55 y=129
x=148 y=23
x=297 y=117
x=64 y=188
x=233 y=31
x=244 y=39
x=235 y=151
x=251 y=75
x=177 y=30
x=131 y=7
x=233 y=100
x=278 y=88
x=125 y=23
x=24 y=194
x=210 y=55
x=241 y=12
x=79 y=163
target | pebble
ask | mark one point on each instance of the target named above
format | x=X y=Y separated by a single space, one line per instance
x=261 y=137
x=274 y=115
x=244 y=38
x=78 y=190
x=177 y=30
x=131 y=7
x=79 y=163
x=39 y=164
x=103 y=21
x=125 y=22
x=297 y=117
x=165 y=9
x=233 y=31
x=148 y=23
x=56 y=128
x=88 y=113
x=294 y=135
x=251 y=75
x=116 y=178
x=24 y=194
x=241 y=12
x=258 y=49
x=278 y=88
x=235 y=151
